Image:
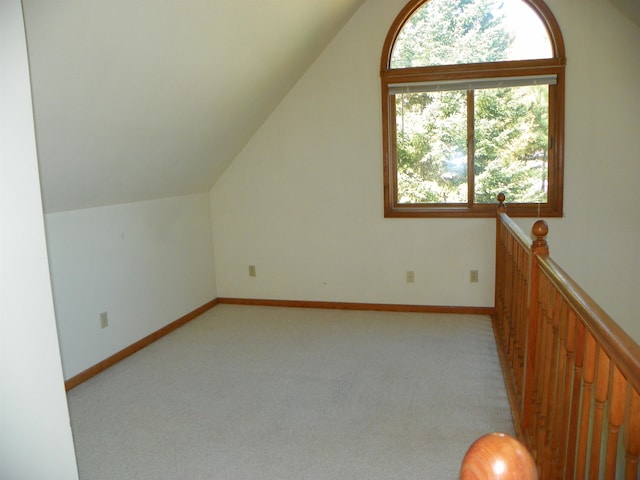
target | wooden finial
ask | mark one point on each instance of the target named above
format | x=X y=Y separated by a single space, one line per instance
x=501 y=206
x=540 y=230
x=498 y=456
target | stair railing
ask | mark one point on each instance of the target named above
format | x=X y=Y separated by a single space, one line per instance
x=572 y=373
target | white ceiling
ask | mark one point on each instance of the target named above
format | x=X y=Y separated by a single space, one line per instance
x=630 y=8
x=143 y=99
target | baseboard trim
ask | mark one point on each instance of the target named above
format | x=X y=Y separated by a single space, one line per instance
x=383 y=307
x=139 y=345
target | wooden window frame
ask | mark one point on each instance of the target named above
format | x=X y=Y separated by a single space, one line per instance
x=554 y=65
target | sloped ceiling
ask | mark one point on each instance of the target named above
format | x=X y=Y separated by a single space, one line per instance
x=144 y=99
x=630 y=8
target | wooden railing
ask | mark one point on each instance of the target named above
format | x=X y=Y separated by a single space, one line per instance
x=572 y=372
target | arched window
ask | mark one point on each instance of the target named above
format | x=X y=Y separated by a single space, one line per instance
x=473 y=105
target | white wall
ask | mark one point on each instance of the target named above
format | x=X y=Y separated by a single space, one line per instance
x=35 y=436
x=303 y=200
x=146 y=264
x=597 y=241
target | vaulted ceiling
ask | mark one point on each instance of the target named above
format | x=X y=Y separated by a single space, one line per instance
x=144 y=99
x=630 y=8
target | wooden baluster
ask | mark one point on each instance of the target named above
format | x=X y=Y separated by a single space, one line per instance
x=527 y=405
x=514 y=308
x=616 y=417
x=535 y=368
x=517 y=319
x=585 y=403
x=557 y=428
x=548 y=357
x=574 y=416
x=567 y=394
x=522 y=318
x=499 y=294
x=540 y=368
x=499 y=280
x=505 y=294
x=632 y=437
x=507 y=303
x=545 y=377
x=601 y=391
x=509 y=278
x=552 y=384
x=524 y=311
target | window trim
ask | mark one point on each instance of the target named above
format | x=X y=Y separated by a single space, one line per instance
x=512 y=68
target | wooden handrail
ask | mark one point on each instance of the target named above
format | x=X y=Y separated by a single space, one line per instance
x=574 y=373
x=608 y=334
x=518 y=234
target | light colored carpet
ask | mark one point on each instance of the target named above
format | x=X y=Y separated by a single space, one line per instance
x=245 y=393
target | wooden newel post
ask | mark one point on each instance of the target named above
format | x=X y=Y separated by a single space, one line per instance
x=538 y=247
x=498 y=456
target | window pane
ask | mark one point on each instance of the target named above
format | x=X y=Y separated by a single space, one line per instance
x=511 y=145
x=448 y=32
x=431 y=141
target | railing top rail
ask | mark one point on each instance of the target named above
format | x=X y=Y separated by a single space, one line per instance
x=522 y=238
x=618 y=345
x=517 y=233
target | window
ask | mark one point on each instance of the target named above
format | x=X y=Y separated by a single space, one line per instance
x=473 y=105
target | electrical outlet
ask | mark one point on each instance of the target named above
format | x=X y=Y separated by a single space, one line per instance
x=473 y=276
x=411 y=276
x=252 y=270
x=104 y=320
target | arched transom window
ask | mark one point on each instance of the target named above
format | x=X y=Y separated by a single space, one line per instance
x=473 y=105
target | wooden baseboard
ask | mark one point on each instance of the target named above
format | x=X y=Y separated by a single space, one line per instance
x=382 y=307
x=139 y=345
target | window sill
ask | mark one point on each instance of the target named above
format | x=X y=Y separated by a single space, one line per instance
x=479 y=211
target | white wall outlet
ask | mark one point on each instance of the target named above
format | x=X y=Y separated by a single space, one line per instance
x=104 y=320
x=411 y=277
x=252 y=270
x=473 y=276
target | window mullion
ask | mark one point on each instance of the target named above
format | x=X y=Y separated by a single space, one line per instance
x=470 y=148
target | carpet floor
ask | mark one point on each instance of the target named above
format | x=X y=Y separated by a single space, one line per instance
x=244 y=393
